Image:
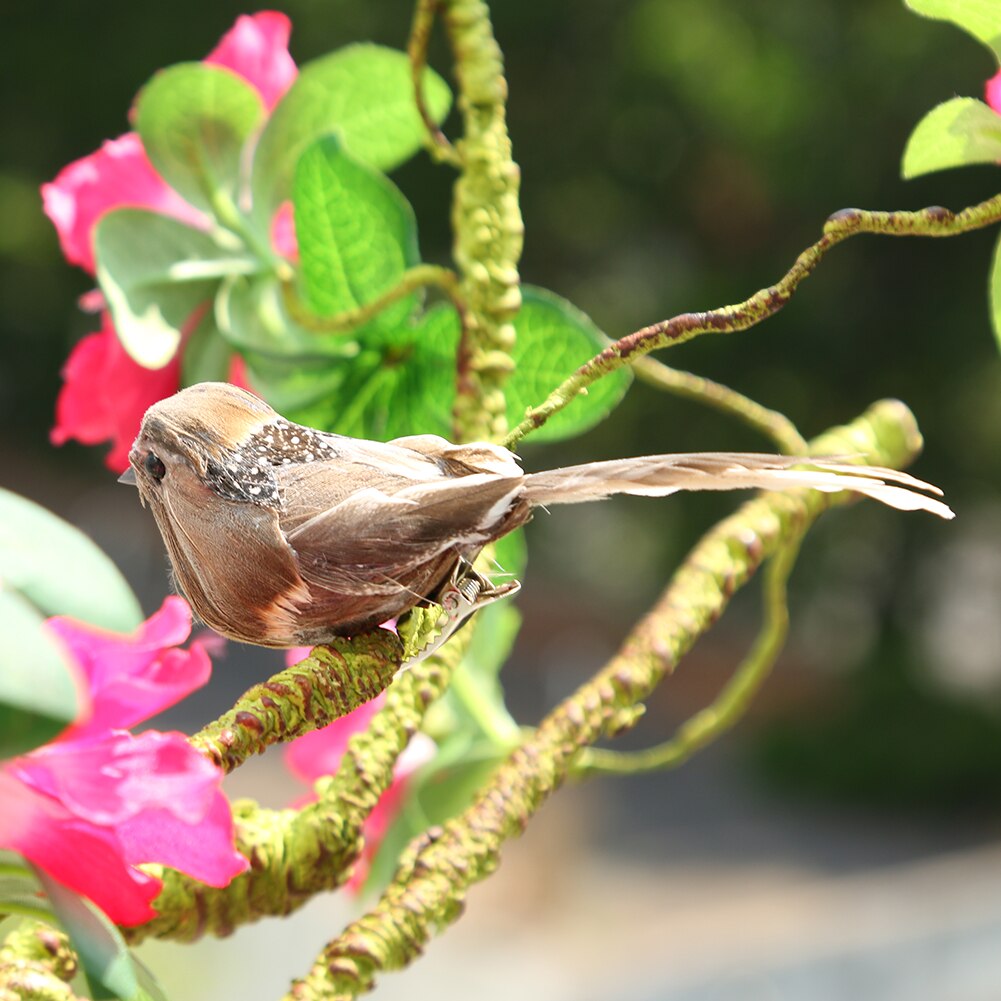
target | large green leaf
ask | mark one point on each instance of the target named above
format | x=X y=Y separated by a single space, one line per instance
x=38 y=692
x=194 y=120
x=981 y=18
x=59 y=569
x=357 y=234
x=362 y=93
x=112 y=971
x=957 y=133
x=554 y=339
x=154 y=271
x=48 y=567
x=207 y=355
x=20 y=890
x=405 y=385
x=250 y=314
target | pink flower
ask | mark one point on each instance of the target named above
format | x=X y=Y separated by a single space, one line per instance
x=105 y=392
x=119 y=174
x=256 y=48
x=319 y=753
x=132 y=678
x=97 y=802
x=992 y=91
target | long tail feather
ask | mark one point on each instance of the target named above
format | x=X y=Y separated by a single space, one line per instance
x=660 y=475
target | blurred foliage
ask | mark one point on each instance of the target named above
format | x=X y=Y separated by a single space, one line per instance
x=892 y=742
x=676 y=155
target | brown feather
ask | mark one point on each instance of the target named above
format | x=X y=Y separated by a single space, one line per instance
x=282 y=535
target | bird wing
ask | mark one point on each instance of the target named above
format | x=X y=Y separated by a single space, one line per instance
x=362 y=529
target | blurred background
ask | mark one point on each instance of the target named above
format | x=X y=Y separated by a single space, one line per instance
x=676 y=155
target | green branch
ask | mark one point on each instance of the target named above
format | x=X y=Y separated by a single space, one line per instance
x=437 y=869
x=438 y=144
x=732 y=702
x=931 y=222
x=331 y=682
x=36 y=962
x=771 y=423
x=420 y=276
x=296 y=854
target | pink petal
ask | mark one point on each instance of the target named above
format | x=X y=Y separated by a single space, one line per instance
x=204 y=850
x=84 y=858
x=296 y=653
x=319 y=752
x=119 y=174
x=133 y=677
x=256 y=48
x=283 y=237
x=992 y=91
x=238 y=372
x=112 y=778
x=105 y=394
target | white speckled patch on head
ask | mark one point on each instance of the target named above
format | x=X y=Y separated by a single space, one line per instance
x=248 y=471
x=280 y=442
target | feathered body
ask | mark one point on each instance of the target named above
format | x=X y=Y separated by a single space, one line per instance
x=282 y=535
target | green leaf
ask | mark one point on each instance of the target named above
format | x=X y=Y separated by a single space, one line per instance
x=981 y=18
x=511 y=553
x=957 y=133
x=995 y=292
x=154 y=271
x=362 y=93
x=292 y=389
x=250 y=314
x=38 y=688
x=194 y=120
x=357 y=234
x=112 y=971
x=207 y=356
x=20 y=891
x=59 y=569
x=48 y=567
x=404 y=386
x=461 y=767
x=554 y=339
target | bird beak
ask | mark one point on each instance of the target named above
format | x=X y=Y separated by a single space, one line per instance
x=128 y=477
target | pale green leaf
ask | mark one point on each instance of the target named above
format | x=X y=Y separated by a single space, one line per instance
x=38 y=687
x=59 y=569
x=154 y=271
x=957 y=133
x=194 y=120
x=981 y=18
x=364 y=94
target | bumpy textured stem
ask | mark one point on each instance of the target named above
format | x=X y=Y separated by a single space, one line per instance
x=331 y=682
x=428 y=890
x=297 y=854
x=933 y=222
x=486 y=221
x=36 y=963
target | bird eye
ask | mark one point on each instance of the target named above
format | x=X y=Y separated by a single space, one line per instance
x=154 y=466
